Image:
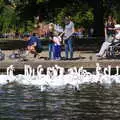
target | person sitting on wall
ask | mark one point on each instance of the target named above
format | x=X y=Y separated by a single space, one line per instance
x=34 y=45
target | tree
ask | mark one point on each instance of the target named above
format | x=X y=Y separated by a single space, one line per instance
x=84 y=12
x=7 y=16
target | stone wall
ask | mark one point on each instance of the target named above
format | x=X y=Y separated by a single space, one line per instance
x=85 y=43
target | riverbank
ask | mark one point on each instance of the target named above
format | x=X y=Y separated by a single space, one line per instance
x=87 y=59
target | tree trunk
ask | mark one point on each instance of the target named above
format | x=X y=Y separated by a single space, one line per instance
x=98 y=12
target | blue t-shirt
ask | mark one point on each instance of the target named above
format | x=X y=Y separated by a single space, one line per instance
x=34 y=40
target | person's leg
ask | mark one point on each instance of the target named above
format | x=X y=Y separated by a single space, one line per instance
x=54 y=51
x=32 y=50
x=70 y=48
x=66 y=49
x=50 y=50
x=59 y=52
x=38 y=50
x=58 y=56
x=104 y=47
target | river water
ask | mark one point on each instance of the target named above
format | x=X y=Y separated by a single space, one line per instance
x=91 y=102
x=75 y=94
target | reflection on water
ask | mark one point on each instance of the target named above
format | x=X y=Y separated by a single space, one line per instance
x=91 y=102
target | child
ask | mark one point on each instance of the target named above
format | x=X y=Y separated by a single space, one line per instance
x=57 y=47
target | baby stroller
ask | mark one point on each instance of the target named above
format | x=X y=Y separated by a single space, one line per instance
x=114 y=50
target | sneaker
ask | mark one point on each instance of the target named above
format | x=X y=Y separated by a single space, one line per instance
x=58 y=58
x=98 y=55
x=70 y=58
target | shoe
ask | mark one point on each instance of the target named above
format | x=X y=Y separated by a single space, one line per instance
x=66 y=59
x=35 y=54
x=98 y=55
x=58 y=58
x=70 y=58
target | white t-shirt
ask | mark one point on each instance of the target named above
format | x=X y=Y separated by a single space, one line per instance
x=57 y=40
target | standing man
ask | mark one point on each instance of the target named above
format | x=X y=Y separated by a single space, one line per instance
x=69 y=30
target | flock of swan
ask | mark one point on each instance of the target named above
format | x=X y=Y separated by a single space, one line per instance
x=57 y=76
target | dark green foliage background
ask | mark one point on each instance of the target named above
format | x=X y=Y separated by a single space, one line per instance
x=19 y=14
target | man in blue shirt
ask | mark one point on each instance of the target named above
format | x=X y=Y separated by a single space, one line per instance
x=34 y=44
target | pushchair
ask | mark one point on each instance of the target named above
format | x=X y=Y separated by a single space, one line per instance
x=114 y=50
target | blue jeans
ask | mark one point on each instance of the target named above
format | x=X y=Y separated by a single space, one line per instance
x=51 y=50
x=57 y=51
x=68 y=48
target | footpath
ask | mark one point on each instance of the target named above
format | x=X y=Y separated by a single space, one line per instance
x=87 y=59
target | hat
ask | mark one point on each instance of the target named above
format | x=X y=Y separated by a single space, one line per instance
x=117 y=26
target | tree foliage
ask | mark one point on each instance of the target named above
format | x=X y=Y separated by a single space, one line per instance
x=20 y=14
x=7 y=17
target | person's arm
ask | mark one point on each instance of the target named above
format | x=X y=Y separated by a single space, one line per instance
x=73 y=28
x=35 y=44
x=114 y=21
x=105 y=30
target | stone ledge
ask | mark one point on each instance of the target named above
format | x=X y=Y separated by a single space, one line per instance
x=65 y=64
